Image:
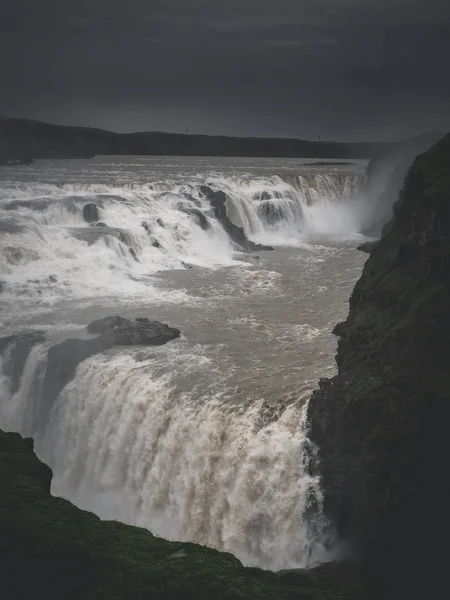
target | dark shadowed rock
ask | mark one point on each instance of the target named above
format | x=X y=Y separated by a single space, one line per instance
x=98 y=224
x=90 y=213
x=381 y=424
x=198 y=216
x=385 y=176
x=218 y=201
x=128 y=332
x=146 y=226
x=15 y=350
x=367 y=247
x=2 y=286
x=133 y=254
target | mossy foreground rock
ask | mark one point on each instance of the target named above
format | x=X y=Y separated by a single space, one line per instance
x=51 y=549
x=382 y=423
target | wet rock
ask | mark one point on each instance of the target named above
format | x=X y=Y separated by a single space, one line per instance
x=15 y=350
x=161 y=223
x=133 y=254
x=146 y=226
x=2 y=286
x=90 y=213
x=198 y=216
x=98 y=224
x=128 y=332
x=367 y=247
x=156 y=244
x=52 y=278
x=218 y=201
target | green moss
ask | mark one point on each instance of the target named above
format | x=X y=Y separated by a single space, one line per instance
x=52 y=549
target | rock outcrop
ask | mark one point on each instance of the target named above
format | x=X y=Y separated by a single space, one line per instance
x=381 y=424
x=90 y=213
x=218 y=201
x=367 y=247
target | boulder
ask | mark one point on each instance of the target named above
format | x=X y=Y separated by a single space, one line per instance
x=90 y=213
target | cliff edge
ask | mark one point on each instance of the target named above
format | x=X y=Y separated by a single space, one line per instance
x=380 y=424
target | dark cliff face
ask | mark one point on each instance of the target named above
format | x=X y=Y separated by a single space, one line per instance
x=385 y=175
x=381 y=423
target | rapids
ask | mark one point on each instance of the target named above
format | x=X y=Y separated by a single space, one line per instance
x=202 y=439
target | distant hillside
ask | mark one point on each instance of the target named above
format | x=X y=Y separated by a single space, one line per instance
x=24 y=138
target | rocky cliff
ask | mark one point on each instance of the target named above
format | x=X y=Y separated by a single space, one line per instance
x=385 y=175
x=381 y=422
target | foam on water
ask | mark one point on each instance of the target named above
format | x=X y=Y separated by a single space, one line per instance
x=45 y=236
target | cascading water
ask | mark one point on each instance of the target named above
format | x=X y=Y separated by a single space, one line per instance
x=202 y=439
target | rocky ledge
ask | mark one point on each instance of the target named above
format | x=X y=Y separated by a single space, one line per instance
x=381 y=423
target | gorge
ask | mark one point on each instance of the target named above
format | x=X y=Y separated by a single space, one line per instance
x=377 y=426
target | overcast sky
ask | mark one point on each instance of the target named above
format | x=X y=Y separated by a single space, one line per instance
x=339 y=69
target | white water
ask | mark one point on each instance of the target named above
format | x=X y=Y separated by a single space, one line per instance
x=203 y=439
x=272 y=210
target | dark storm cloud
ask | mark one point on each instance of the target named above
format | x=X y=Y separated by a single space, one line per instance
x=336 y=68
